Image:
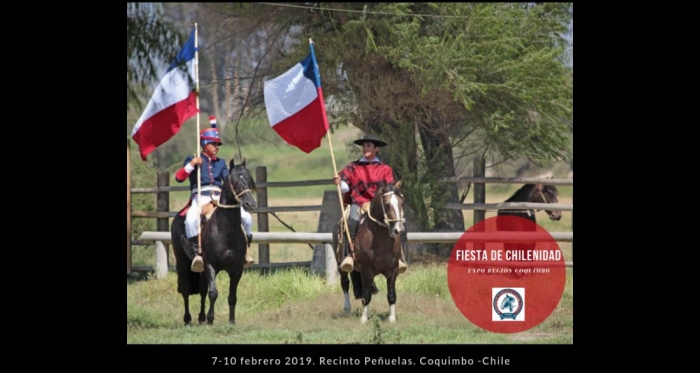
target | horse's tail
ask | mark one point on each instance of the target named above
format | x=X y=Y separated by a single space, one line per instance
x=356 y=278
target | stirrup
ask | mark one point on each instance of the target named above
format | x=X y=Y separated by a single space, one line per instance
x=249 y=261
x=197 y=264
x=347 y=264
x=402 y=266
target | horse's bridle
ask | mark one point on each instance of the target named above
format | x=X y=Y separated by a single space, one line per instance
x=544 y=197
x=237 y=196
x=386 y=221
x=529 y=212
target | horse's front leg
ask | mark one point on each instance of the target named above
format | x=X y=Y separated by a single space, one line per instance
x=367 y=279
x=391 y=294
x=203 y=299
x=213 y=293
x=188 y=317
x=345 y=285
x=235 y=277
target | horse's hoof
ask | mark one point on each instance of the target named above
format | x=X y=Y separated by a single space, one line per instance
x=346 y=309
x=363 y=320
x=392 y=319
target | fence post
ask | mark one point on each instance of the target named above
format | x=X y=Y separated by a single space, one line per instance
x=263 y=248
x=128 y=207
x=478 y=170
x=331 y=265
x=162 y=205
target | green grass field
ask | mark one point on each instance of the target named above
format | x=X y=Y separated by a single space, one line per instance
x=293 y=306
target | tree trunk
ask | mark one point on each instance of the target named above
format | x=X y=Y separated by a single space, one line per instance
x=438 y=151
x=215 y=89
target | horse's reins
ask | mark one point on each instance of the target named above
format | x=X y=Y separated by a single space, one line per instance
x=237 y=196
x=386 y=221
x=238 y=199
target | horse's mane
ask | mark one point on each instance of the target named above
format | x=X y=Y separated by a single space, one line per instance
x=387 y=187
x=525 y=193
x=248 y=177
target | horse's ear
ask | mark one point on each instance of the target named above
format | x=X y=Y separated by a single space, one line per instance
x=398 y=184
x=244 y=160
x=231 y=164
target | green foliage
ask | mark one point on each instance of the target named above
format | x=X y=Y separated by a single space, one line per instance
x=143 y=175
x=440 y=81
x=482 y=78
x=501 y=65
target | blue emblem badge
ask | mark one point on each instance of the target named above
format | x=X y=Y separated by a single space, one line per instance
x=508 y=304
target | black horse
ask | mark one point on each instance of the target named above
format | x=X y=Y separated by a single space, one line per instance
x=224 y=244
x=377 y=249
x=534 y=193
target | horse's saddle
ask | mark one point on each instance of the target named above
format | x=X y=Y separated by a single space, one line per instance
x=206 y=210
x=341 y=227
x=363 y=215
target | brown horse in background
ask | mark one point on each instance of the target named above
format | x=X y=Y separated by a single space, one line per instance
x=377 y=248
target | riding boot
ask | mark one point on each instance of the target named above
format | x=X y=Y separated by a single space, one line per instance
x=404 y=246
x=348 y=263
x=249 y=261
x=197 y=262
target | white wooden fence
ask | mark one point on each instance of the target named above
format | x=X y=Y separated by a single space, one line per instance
x=263 y=237
x=331 y=266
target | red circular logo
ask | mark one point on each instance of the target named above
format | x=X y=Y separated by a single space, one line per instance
x=506 y=274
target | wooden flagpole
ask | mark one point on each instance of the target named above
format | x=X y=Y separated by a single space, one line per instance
x=330 y=144
x=199 y=167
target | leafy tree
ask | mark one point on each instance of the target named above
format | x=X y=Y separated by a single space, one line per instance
x=439 y=81
x=149 y=42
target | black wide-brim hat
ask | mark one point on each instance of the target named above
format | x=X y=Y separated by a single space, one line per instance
x=372 y=139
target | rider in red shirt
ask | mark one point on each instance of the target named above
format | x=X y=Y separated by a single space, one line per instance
x=361 y=178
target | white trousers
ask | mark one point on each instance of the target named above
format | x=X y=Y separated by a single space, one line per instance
x=192 y=218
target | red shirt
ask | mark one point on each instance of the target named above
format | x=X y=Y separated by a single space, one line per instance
x=363 y=179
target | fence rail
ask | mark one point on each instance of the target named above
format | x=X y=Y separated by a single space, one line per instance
x=263 y=237
x=412 y=237
x=329 y=264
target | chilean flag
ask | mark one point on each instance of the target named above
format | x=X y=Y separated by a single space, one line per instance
x=173 y=102
x=295 y=107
